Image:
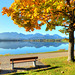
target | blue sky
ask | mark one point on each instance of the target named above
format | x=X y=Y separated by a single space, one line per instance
x=7 y=25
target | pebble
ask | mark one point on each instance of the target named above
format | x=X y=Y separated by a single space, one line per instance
x=62 y=71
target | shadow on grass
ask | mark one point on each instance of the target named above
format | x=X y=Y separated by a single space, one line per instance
x=27 y=69
x=10 y=71
x=7 y=71
x=49 y=68
x=19 y=73
x=33 y=68
x=38 y=68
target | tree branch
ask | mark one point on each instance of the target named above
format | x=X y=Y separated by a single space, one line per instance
x=68 y=2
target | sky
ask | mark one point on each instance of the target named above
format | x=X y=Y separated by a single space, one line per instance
x=7 y=25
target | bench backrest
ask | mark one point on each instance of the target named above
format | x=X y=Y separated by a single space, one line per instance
x=23 y=59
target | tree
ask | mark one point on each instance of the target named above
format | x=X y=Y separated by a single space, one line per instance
x=27 y=13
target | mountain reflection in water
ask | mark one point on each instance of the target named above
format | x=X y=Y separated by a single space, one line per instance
x=20 y=44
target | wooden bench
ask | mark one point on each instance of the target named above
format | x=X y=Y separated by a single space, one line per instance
x=26 y=59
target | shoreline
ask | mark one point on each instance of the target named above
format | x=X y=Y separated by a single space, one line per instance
x=62 y=50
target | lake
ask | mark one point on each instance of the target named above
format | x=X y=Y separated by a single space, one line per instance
x=30 y=47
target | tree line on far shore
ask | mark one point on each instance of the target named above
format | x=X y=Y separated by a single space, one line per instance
x=40 y=40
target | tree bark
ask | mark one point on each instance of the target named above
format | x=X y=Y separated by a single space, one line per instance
x=71 y=45
x=71 y=37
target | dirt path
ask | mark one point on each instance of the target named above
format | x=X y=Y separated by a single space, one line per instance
x=5 y=59
x=40 y=55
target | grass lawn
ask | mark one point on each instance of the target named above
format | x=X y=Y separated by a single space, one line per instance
x=58 y=66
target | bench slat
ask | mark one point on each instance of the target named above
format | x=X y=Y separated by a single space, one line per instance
x=22 y=61
x=26 y=58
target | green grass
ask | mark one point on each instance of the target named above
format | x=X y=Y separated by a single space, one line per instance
x=57 y=66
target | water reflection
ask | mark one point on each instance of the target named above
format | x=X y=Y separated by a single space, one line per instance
x=20 y=44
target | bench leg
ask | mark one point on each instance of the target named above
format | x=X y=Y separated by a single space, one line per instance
x=34 y=63
x=0 y=66
x=12 y=66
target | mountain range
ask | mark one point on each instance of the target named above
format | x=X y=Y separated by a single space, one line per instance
x=20 y=36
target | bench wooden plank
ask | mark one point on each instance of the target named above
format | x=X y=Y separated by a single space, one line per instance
x=18 y=61
x=26 y=58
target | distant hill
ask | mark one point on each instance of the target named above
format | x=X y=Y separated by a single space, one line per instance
x=20 y=36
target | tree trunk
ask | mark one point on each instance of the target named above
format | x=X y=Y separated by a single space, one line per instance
x=71 y=45
x=71 y=37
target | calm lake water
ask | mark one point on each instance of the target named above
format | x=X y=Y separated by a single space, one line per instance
x=30 y=47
